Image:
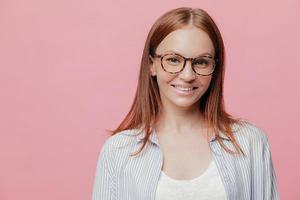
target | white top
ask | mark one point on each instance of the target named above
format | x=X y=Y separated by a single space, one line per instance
x=208 y=186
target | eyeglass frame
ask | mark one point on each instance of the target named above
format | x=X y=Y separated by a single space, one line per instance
x=185 y=60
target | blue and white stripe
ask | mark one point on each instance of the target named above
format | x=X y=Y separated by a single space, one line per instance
x=122 y=177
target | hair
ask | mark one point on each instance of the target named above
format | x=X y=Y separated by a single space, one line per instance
x=147 y=103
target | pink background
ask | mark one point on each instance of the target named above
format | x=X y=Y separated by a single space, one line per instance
x=69 y=71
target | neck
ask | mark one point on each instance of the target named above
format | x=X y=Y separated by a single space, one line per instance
x=179 y=120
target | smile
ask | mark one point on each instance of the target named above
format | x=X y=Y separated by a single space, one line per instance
x=184 y=90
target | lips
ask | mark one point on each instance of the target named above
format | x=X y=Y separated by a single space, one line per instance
x=184 y=90
x=184 y=87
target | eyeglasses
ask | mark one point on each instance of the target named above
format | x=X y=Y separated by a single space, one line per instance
x=174 y=63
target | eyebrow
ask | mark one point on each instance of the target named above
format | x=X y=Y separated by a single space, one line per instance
x=202 y=54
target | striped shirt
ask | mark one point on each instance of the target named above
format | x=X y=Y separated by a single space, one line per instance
x=123 y=177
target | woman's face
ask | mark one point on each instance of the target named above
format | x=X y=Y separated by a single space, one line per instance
x=189 y=42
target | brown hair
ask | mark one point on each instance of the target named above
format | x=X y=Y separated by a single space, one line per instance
x=147 y=103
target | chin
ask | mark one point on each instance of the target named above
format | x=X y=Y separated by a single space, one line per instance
x=185 y=104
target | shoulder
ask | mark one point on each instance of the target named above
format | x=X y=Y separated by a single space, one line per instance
x=249 y=131
x=120 y=139
x=119 y=145
x=250 y=136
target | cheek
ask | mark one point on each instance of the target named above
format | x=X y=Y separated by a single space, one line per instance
x=164 y=78
x=205 y=82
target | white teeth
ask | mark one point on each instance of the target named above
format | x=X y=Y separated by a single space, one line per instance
x=182 y=88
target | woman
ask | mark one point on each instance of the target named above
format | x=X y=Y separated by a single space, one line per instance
x=187 y=146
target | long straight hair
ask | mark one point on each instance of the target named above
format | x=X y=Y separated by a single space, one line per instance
x=147 y=103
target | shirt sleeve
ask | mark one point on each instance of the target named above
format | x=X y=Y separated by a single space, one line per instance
x=270 y=183
x=104 y=184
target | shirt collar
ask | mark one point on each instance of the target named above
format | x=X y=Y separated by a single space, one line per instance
x=154 y=139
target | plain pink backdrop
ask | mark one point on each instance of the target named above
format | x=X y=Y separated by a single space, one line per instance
x=69 y=71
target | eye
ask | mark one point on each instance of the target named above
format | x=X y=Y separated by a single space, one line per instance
x=203 y=62
x=174 y=60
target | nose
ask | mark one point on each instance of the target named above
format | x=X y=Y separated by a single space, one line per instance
x=187 y=74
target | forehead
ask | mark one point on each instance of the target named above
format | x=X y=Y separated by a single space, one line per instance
x=189 y=42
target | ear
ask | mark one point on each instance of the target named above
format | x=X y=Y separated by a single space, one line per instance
x=152 y=67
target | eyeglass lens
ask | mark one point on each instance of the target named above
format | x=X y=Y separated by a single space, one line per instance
x=174 y=63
